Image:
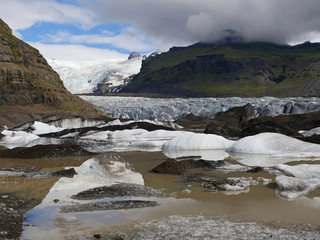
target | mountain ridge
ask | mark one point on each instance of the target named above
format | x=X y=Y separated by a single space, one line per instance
x=30 y=88
x=232 y=69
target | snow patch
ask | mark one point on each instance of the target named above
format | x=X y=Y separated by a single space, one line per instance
x=13 y=139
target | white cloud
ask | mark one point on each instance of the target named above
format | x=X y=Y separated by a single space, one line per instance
x=129 y=39
x=76 y=52
x=21 y=14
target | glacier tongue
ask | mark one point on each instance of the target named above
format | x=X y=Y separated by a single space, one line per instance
x=84 y=76
x=168 y=109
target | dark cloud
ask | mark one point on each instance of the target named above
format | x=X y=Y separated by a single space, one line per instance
x=187 y=21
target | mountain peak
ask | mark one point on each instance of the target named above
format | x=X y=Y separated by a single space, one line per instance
x=134 y=55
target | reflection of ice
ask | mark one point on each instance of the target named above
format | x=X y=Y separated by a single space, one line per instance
x=256 y=160
x=203 y=154
x=92 y=173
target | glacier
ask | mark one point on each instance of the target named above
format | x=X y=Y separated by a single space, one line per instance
x=84 y=76
x=170 y=109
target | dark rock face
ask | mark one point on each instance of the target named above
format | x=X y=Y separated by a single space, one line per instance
x=192 y=121
x=174 y=167
x=119 y=190
x=31 y=87
x=285 y=124
x=229 y=123
x=45 y=151
x=112 y=205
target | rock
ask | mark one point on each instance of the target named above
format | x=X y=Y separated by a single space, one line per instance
x=174 y=167
x=229 y=123
x=285 y=124
x=134 y=55
x=97 y=235
x=119 y=190
x=255 y=170
x=110 y=205
x=46 y=151
x=4 y=196
x=30 y=88
x=192 y=121
x=64 y=173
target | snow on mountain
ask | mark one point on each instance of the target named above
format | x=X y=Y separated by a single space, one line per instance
x=101 y=76
x=84 y=76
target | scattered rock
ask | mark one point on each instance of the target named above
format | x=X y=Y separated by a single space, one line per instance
x=97 y=235
x=64 y=173
x=172 y=166
x=11 y=217
x=55 y=200
x=45 y=151
x=110 y=205
x=119 y=190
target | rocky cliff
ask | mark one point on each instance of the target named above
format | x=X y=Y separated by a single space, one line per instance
x=30 y=88
x=232 y=69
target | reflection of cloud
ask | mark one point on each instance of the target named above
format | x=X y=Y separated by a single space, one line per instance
x=203 y=154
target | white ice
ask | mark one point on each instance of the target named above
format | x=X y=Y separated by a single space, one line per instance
x=298 y=180
x=309 y=133
x=196 y=141
x=43 y=128
x=13 y=139
x=275 y=144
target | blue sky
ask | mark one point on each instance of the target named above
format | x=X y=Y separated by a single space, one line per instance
x=112 y=29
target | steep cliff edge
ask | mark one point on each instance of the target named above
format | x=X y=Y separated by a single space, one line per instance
x=30 y=88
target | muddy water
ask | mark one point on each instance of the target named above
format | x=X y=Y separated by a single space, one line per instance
x=259 y=204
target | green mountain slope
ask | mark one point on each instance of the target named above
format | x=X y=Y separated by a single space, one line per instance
x=232 y=69
x=30 y=88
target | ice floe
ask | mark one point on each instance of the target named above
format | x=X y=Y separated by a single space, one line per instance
x=298 y=180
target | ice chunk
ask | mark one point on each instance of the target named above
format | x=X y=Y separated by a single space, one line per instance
x=43 y=128
x=298 y=180
x=190 y=140
x=14 y=139
x=276 y=145
x=309 y=133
